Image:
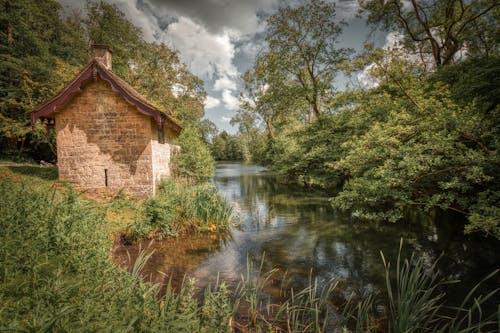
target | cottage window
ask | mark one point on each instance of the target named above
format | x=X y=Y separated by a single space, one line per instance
x=161 y=137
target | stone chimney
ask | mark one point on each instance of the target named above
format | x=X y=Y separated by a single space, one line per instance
x=103 y=54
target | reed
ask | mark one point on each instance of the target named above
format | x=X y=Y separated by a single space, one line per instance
x=305 y=310
x=416 y=303
x=180 y=207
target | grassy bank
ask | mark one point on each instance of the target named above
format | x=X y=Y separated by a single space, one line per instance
x=56 y=272
x=56 y=275
x=180 y=208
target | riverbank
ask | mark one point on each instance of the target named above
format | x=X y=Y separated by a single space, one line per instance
x=58 y=275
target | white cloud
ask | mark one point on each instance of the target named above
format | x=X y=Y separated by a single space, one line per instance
x=205 y=53
x=224 y=83
x=230 y=101
x=226 y=119
x=366 y=79
x=393 y=40
x=211 y=102
x=178 y=89
x=217 y=15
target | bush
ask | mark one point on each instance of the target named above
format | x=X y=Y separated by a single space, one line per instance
x=179 y=208
x=194 y=160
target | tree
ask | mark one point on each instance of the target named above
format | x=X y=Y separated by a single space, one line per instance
x=301 y=50
x=292 y=79
x=193 y=160
x=106 y=24
x=439 y=29
x=208 y=130
x=158 y=74
x=34 y=43
x=429 y=151
x=252 y=139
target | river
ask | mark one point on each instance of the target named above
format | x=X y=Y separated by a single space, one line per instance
x=300 y=233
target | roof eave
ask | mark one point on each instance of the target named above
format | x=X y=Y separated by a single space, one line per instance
x=86 y=74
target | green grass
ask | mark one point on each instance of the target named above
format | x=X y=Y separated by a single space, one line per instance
x=56 y=274
x=181 y=208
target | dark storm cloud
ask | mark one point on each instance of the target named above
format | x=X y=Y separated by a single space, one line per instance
x=244 y=16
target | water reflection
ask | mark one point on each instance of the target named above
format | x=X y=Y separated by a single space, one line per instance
x=301 y=233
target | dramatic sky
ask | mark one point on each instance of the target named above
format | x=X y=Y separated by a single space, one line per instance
x=218 y=40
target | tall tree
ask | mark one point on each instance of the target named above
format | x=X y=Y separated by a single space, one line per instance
x=34 y=42
x=302 y=51
x=439 y=29
x=157 y=72
x=106 y=24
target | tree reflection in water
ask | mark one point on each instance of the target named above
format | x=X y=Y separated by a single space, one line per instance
x=300 y=233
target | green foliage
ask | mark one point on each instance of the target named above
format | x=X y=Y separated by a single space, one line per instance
x=180 y=208
x=252 y=140
x=57 y=276
x=417 y=138
x=429 y=152
x=226 y=147
x=158 y=74
x=292 y=79
x=301 y=50
x=216 y=311
x=193 y=160
x=106 y=24
x=34 y=40
x=56 y=270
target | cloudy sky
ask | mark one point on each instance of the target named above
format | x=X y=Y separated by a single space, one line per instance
x=218 y=40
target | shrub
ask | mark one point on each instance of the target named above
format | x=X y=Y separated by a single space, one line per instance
x=180 y=207
x=194 y=160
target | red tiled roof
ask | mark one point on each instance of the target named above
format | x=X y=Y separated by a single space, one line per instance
x=91 y=71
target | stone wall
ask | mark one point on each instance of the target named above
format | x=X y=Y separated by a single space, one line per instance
x=105 y=143
x=161 y=153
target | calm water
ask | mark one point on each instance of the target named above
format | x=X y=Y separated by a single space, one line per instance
x=301 y=234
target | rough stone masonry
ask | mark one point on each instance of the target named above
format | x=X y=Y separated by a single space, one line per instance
x=105 y=142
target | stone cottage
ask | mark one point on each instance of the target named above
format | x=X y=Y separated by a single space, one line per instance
x=108 y=136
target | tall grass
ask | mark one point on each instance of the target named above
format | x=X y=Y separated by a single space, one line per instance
x=56 y=274
x=304 y=310
x=180 y=207
x=416 y=302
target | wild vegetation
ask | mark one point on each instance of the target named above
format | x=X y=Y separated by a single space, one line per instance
x=57 y=275
x=181 y=208
x=422 y=134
